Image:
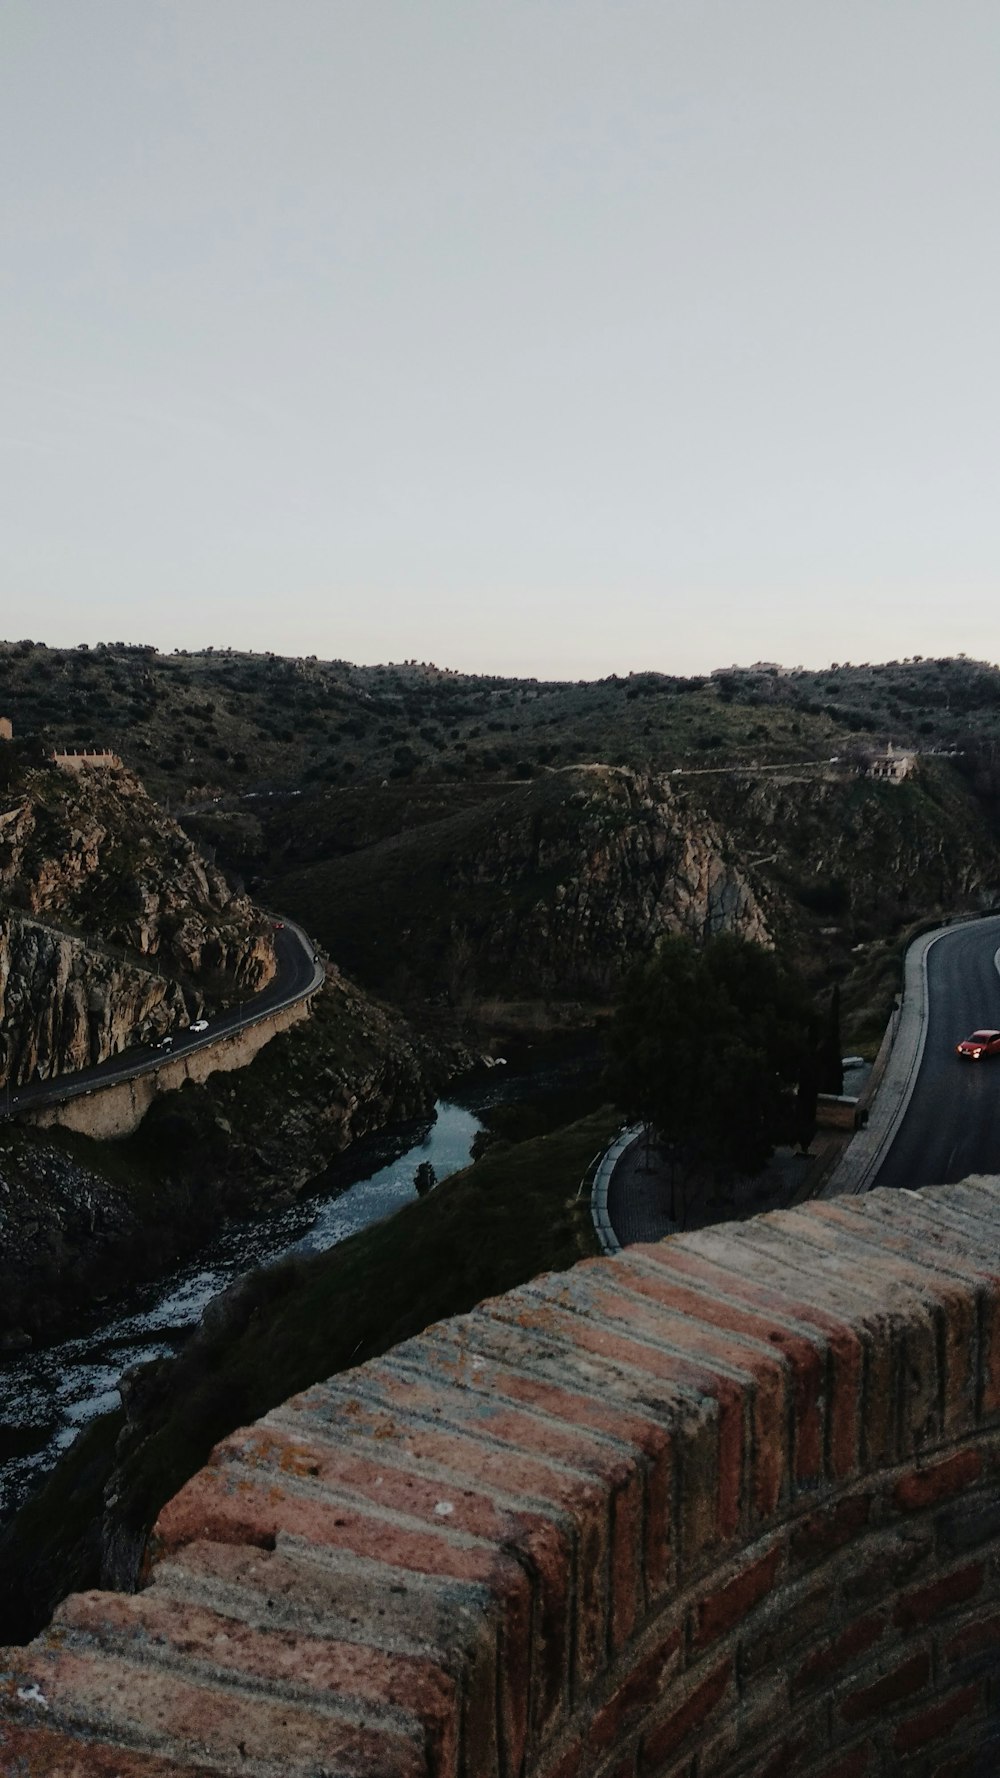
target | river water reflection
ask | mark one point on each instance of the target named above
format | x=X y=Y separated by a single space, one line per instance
x=48 y=1394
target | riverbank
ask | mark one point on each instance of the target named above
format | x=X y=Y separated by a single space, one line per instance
x=84 y=1220
x=513 y=1214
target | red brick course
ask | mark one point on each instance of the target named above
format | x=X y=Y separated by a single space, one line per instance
x=728 y=1507
x=931 y=1724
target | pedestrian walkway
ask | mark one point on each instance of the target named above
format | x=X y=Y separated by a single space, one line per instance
x=638 y=1204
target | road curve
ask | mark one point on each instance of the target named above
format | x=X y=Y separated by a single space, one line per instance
x=299 y=973
x=951 y=1126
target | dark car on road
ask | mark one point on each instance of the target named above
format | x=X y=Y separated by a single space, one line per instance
x=981 y=1043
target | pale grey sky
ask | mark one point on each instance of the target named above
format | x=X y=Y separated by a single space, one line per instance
x=541 y=336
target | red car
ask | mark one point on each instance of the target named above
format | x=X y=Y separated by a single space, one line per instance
x=981 y=1043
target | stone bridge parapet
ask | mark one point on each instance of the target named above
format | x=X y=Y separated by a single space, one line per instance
x=724 y=1507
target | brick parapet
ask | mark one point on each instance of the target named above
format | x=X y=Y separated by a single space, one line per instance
x=725 y=1507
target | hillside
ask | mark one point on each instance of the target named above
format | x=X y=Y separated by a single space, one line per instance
x=547 y=893
x=550 y=890
x=428 y=826
x=112 y=927
x=223 y=723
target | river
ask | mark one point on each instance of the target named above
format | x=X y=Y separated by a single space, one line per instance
x=48 y=1393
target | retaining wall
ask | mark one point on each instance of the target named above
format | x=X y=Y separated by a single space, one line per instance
x=725 y=1507
x=108 y=1113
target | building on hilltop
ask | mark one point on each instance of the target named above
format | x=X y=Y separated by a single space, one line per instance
x=895 y=763
x=86 y=761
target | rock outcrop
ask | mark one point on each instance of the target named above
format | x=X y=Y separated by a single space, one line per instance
x=75 y=1223
x=586 y=881
x=554 y=889
x=111 y=925
x=65 y=1005
x=538 y=901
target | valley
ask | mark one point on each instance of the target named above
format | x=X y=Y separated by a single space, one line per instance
x=480 y=864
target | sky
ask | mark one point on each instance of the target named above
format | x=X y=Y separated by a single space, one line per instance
x=547 y=337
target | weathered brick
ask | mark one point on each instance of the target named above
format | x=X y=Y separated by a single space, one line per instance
x=884 y=1561
x=452 y=1560
x=300 y=1590
x=621 y=1765
x=566 y=1764
x=759 y=1373
x=924 y=1604
x=786 y=1755
x=716 y=1260
x=903 y=1400
x=716 y=1614
x=133 y=1625
x=791 y=1244
x=969 y=1524
x=889 y=1688
x=638 y=1693
x=709 y=1450
x=653 y=1270
x=905 y=1236
x=233 y=1505
x=785 y=1622
x=684 y=1718
x=751 y=1722
x=961 y=1241
x=816 y=1537
x=490 y=1357
x=481 y=1355
x=821 y=1665
x=859 y=1763
x=930 y=1483
x=33 y=1750
x=419 y=1417
x=399 y=1471
x=929 y=1725
x=980 y=1636
x=178 y=1714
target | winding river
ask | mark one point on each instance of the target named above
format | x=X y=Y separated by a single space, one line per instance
x=47 y=1394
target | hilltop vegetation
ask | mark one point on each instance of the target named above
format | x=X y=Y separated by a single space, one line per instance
x=220 y=721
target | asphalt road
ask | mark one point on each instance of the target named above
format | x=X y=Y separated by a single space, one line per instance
x=952 y=1124
x=298 y=972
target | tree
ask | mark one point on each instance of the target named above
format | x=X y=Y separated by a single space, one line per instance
x=706 y=1045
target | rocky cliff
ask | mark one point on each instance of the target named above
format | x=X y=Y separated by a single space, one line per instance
x=79 y=1218
x=112 y=927
x=555 y=888
x=551 y=891
x=852 y=858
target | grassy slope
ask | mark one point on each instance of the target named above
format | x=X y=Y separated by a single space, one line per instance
x=513 y=1215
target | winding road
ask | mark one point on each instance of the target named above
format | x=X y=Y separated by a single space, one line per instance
x=299 y=973
x=951 y=1126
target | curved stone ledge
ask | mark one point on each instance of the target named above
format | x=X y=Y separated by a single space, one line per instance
x=726 y=1506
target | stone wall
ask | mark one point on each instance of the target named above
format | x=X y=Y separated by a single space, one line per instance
x=726 y=1507
x=108 y=1113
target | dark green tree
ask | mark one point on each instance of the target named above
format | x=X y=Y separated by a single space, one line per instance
x=706 y=1047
